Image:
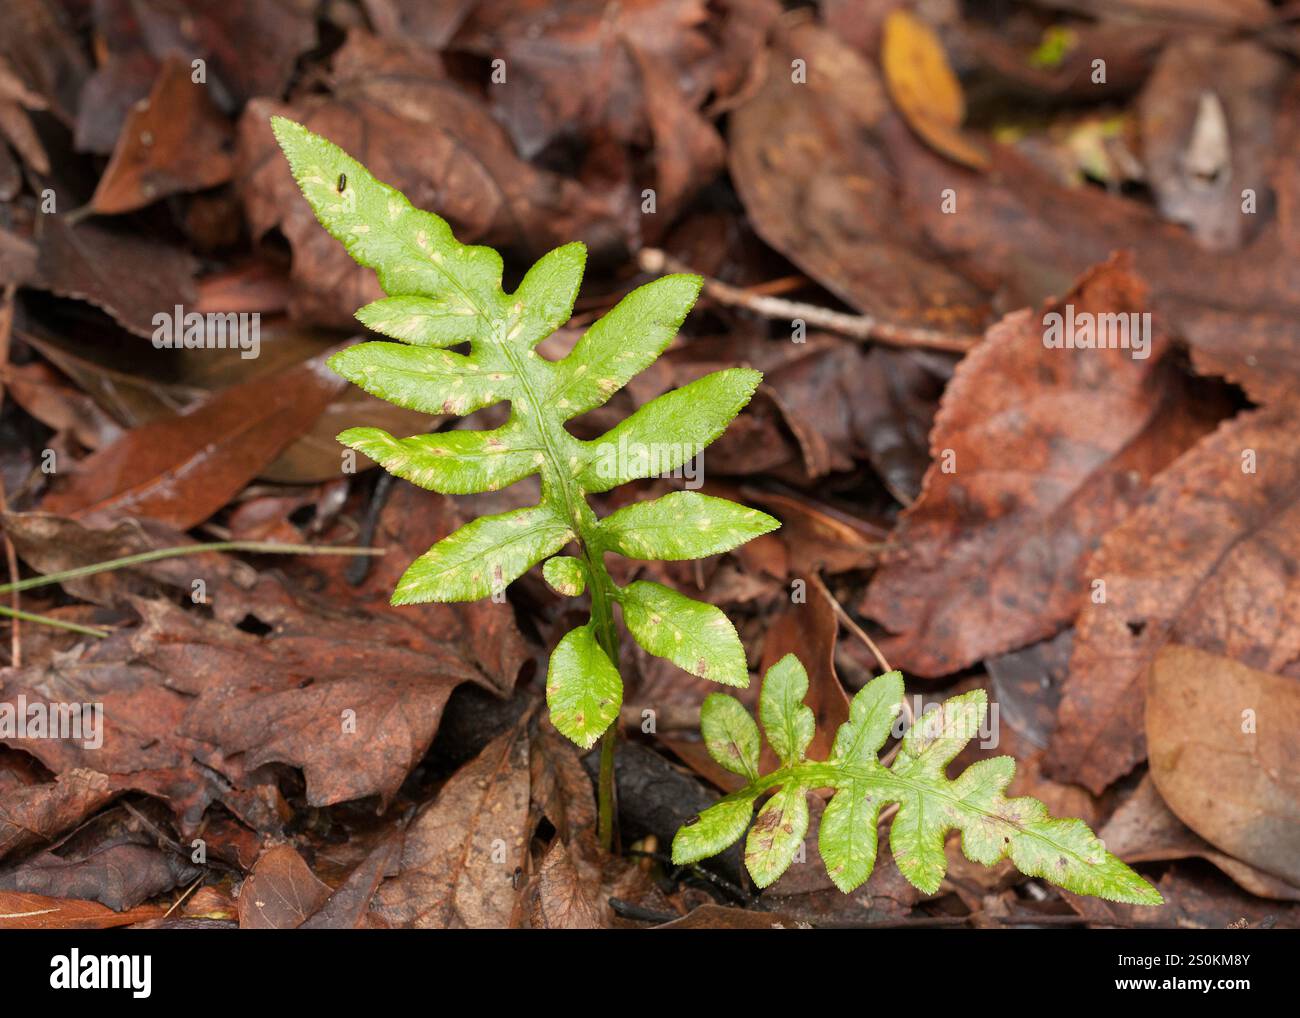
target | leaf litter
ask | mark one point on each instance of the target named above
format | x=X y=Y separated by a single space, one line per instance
x=1104 y=542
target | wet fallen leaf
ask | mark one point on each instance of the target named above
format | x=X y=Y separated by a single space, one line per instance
x=1238 y=312
x=1207 y=119
x=561 y=902
x=1144 y=829
x=1037 y=452
x=180 y=471
x=1194 y=899
x=22 y=911
x=35 y=814
x=356 y=714
x=280 y=893
x=131 y=277
x=1207 y=561
x=464 y=853
x=348 y=908
x=924 y=88
x=174 y=140
x=441 y=148
x=1223 y=740
x=38 y=389
x=819 y=191
x=120 y=874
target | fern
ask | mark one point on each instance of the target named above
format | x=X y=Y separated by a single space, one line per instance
x=992 y=826
x=442 y=294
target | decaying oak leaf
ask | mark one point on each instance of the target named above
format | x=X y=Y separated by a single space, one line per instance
x=1037 y=452
x=1223 y=740
x=817 y=186
x=465 y=854
x=1239 y=312
x=355 y=712
x=1208 y=561
x=35 y=814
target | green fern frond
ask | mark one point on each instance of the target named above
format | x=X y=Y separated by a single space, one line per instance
x=993 y=827
x=442 y=294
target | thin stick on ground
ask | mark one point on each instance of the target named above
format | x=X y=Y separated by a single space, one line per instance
x=853 y=627
x=862 y=327
x=861 y=634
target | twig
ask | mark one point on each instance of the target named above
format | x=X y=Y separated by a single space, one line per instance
x=854 y=628
x=188 y=891
x=861 y=634
x=863 y=327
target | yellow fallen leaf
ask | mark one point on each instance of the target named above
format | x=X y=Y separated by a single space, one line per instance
x=924 y=88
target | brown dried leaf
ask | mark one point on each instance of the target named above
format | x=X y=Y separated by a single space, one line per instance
x=1037 y=452
x=807 y=163
x=1223 y=740
x=131 y=277
x=561 y=901
x=181 y=470
x=1208 y=561
x=120 y=874
x=440 y=147
x=280 y=893
x=1238 y=312
x=31 y=815
x=1193 y=900
x=348 y=908
x=22 y=911
x=355 y=710
x=1144 y=829
x=465 y=853
x=174 y=140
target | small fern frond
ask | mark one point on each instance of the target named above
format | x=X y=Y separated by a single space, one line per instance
x=930 y=805
x=442 y=294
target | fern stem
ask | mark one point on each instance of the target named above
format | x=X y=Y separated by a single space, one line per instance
x=600 y=584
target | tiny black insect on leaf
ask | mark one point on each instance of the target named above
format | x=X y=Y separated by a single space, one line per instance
x=343 y=182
